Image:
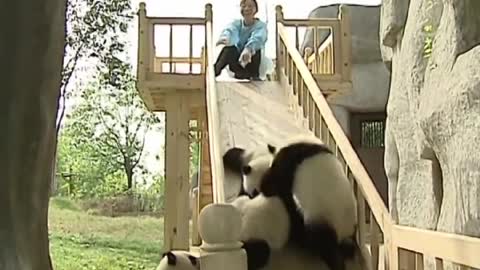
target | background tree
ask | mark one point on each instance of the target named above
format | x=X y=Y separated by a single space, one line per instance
x=93 y=28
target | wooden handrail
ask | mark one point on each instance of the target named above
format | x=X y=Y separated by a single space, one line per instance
x=213 y=118
x=323 y=46
x=456 y=248
x=325 y=23
x=176 y=20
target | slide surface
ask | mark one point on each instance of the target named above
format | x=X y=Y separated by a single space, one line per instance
x=253 y=113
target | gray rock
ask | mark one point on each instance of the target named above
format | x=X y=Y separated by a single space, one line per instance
x=433 y=122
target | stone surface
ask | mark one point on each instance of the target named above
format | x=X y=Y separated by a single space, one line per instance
x=433 y=122
x=364 y=25
x=32 y=39
x=369 y=92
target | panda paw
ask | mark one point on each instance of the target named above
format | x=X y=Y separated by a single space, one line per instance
x=258 y=253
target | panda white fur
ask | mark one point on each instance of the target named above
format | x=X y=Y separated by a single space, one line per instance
x=178 y=260
x=305 y=170
x=253 y=173
x=236 y=159
x=267 y=219
x=268 y=226
x=268 y=233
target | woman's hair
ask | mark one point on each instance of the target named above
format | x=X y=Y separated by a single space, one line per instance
x=254 y=2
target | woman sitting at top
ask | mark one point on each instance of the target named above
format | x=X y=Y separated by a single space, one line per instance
x=244 y=40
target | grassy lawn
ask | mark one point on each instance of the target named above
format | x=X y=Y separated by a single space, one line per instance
x=81 y=241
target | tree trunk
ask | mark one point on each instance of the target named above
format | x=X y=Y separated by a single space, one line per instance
x=129 y=173
x=32 y=34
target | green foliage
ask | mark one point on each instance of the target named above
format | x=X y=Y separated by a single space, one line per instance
x=123 y=119
x=429 y=33
x=103 y=140
x=428 y=44
x=194 y=147
x=82 y=241
x=94 y=29
x=84 y=172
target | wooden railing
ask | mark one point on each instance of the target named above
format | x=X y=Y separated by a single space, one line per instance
x=404 y=247
x=213 y=117
x=147 y=59
x=330 y=59
x=172 y=63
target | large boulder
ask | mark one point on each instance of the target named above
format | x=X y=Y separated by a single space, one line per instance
x=433 y=114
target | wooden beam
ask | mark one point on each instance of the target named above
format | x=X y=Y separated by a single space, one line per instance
x=177 y=173
x=174 y=81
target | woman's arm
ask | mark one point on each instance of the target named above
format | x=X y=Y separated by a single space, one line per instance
x=258 y=38
x=231 y=33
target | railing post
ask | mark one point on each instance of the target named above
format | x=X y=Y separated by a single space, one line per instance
x=219 y=225
x=208 y=12
x=346 y=43
x=142 y=65
x=208 y=18
x=278 y=19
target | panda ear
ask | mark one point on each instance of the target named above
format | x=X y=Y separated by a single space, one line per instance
x=193 y=259
x=171 y=258
x=247 y=169
x=272 y=149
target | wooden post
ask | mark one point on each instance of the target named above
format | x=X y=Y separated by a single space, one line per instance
x=345 y=44
x=196 y=240
x=143 y=42
x=208 y=12
x=278 y=19
x=220 y=228
x=177 y=170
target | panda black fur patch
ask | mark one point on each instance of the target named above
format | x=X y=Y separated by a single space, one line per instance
x=279 y=178
x=233 y=159
x=193 y=259
x=258 y=253
x=171 y=258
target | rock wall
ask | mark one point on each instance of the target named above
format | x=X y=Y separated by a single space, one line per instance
x=433 y=113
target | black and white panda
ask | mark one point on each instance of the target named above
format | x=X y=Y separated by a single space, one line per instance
x=178 y=260
x=307 y=171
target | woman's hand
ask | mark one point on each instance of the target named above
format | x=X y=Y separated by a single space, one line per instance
x=245 y=57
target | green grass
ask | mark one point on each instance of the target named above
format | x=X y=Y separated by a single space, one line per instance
x=81 y=241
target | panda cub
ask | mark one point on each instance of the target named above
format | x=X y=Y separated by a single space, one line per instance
x=307 y=171
x=178 y=260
